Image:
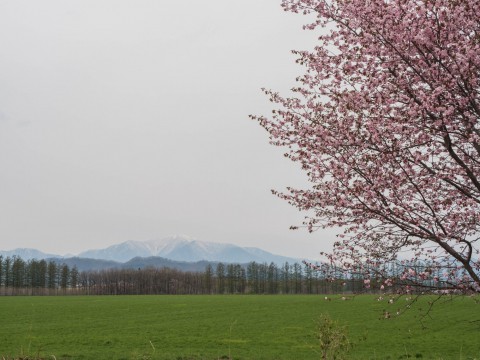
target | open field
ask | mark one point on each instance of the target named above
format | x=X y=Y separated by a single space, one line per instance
x=239 y=327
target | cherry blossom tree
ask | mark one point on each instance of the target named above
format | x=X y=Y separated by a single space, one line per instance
x=385 y=121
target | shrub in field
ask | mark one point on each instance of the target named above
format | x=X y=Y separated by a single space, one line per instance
x=332 y=337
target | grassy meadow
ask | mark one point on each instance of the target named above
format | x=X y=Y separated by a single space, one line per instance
x=231 y=327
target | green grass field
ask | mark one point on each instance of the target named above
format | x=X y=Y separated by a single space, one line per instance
x=237 y=327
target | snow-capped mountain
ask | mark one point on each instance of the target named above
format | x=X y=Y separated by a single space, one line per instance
x=182 y=248
x=176 y=248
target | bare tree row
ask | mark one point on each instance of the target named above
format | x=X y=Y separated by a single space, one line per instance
x=41 y=277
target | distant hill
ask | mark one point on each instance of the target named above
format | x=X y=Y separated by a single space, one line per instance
x=159 y=262
x=27 y=254
x=84 y=264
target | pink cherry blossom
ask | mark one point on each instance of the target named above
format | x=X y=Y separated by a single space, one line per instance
x=385 y=122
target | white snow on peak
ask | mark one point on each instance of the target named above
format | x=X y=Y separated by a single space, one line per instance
x=157 y=247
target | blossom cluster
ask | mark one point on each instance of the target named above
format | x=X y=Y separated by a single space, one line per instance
x=386 y=124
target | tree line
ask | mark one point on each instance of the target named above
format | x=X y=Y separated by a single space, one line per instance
x=42 y=277
x=35 y=277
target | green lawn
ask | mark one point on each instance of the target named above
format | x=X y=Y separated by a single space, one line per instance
x=239 y=327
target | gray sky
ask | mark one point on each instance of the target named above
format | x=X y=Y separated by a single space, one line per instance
x=128 y=120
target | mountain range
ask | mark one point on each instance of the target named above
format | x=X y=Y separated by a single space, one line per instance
x=176 y=248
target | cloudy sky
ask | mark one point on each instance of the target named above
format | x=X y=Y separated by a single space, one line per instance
x=128 y=120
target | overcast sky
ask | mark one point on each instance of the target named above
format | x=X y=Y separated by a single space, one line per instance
x=128 y=120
